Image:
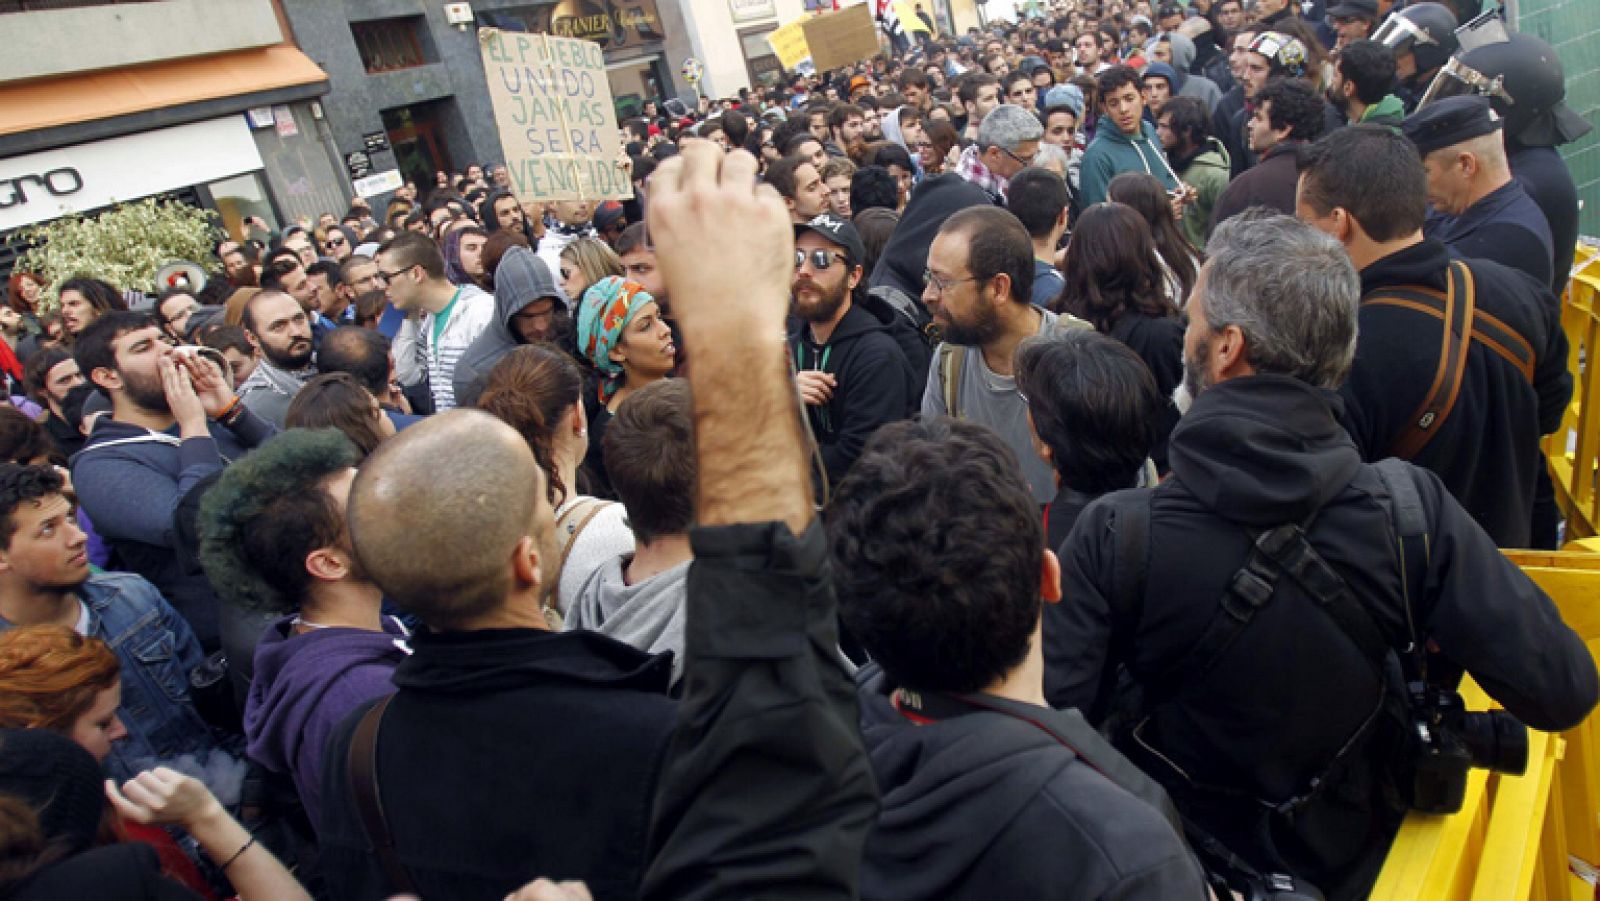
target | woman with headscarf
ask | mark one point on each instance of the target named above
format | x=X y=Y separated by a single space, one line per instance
x=621 y=332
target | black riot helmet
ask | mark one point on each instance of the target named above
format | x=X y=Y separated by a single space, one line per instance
x=1425 y=30
x=1523 y=79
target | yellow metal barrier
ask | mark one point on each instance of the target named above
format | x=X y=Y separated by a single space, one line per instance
x=1518 y=837
x=1573 y=449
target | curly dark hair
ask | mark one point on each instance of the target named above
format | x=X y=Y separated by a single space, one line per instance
x=22 y=440
x=20 y=485
x=267 y=512
x=936 y=542
x=1295 y=106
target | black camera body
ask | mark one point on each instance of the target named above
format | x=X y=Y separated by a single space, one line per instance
x=1448 y=740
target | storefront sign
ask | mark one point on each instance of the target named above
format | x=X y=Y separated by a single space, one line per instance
x=789 y=43
x=558 y=128
x=382 y=183
x=752 y=10
x=37 y=187
x=613 y=24
x=55 y=183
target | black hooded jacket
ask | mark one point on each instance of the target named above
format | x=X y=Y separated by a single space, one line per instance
x=988 y=805
x=506 y=755
x=875 y=382
x=1487 y=451
x=905 y=257
x=1254 y=453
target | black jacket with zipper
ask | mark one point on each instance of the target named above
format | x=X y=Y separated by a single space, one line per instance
x=876 y=384
x=1254 y=453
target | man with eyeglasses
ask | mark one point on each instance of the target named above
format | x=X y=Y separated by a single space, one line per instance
x=849 y=369
x=979 y=287
x=442 y=320
x=1008 y=142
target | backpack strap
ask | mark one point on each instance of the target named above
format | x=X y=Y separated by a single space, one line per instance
x=1495 y=336
x=1409 y=519
x=568 y=527
x=368 y=794
x=1131 y=564
x=951 y=359
x=1454 y=341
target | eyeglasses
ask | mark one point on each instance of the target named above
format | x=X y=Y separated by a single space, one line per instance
x=1021 y=161
x=941 y=284
x=386 y=277
x=329 y=245
x=821 y=260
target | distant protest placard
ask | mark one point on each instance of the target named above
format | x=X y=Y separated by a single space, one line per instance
x=552 y=106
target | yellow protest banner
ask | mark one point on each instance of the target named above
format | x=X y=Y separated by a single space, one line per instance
x=552 y=106
x=789 y=43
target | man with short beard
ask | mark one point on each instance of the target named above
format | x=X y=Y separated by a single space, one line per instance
x=174 y=421
x=850 y=371
x=980 y=283
x=278 y=328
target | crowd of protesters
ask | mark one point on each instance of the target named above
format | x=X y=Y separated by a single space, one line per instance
x=1014 y=466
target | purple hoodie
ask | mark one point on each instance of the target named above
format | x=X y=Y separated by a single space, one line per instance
x=304 y=685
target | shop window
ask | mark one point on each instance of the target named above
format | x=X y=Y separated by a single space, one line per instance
x=386 y=45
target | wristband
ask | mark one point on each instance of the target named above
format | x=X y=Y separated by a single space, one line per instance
x=231 y=413
x=239 y=853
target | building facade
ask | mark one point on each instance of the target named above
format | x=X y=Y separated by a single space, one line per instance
x=408 y=93
x=221 y=112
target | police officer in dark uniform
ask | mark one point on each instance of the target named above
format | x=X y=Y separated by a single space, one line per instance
x=1486 y=449
x=1479 y=210
x=1524 y=81
x=1423 y=38
x=1270 y=742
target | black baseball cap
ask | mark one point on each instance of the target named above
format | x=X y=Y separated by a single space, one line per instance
x=837 y=230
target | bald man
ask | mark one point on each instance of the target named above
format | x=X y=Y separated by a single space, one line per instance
x=509 y=751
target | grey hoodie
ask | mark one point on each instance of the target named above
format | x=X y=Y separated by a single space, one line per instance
x=648 y=615
x=1189 y=84
x=520 y=279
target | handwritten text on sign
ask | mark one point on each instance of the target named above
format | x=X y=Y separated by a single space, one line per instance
x=557 y=125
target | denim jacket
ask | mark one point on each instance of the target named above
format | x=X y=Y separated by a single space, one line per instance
x=158 y=651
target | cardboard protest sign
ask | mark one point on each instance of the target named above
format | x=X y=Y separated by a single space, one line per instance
x=789 y=43
x=552 y=105
x=841 y=38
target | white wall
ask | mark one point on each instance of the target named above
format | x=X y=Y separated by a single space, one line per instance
x=715 y=38
x=85 y=39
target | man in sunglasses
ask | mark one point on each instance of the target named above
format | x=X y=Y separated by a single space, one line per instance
x=849 y=369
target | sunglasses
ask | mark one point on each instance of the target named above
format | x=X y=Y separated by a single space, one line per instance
x=329 y=245
x=821 y=260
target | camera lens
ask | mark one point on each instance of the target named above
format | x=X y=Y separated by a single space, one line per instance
x=1497 y=741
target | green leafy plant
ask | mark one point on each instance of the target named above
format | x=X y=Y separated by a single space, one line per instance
x=124 y=245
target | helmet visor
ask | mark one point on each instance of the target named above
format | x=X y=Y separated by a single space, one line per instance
x=1398 y=33
x=1456 y=78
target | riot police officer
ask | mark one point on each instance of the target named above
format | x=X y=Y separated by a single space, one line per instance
x=1423 y=38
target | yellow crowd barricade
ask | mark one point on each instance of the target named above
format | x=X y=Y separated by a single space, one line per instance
x=1574 y=448
x=1535 y=836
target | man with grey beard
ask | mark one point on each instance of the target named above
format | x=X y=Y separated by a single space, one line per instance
x=1179 y=591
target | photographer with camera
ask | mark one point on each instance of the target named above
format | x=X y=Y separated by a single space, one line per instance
x=1275 y=633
